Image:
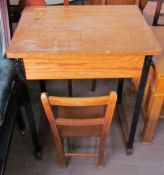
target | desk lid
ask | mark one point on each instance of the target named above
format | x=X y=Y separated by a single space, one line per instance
x=73 y=30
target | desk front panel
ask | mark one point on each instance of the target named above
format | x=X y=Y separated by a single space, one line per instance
x=83 y=67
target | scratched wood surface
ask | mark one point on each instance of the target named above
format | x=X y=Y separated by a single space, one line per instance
x=82 y=42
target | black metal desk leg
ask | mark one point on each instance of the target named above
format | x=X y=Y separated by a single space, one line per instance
x=43 y=128
x=70 y=88
x=137 y=107
x=42 y=85
x=28 y=107
x=120 y=89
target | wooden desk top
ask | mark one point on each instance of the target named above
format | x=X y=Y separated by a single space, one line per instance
x=159 y=62
x=71 y=30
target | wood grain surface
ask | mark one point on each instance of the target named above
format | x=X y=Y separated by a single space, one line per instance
x=82 y=42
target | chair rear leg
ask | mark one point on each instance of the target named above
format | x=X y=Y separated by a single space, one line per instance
x=101 y=153
x=60 y=150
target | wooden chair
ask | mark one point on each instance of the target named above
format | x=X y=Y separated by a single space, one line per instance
x=157 y=13
x=71 y=123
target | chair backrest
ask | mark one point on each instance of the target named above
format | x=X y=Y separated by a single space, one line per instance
x=101 y=122
x=49 y=101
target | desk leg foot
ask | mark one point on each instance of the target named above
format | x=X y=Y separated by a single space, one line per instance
x=38 y=155
x=129 y=151
x=20 y=122
x=144 y=142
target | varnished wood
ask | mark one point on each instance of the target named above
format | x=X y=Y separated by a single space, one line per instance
x=64 y=49
x=80 y=131
x=105 y=130
x=83 y=66
x=86 y=112
x=25 y=3
x=153 y=112
x=55 y=132
x=81 y=112
x=77 y=125
x=80 y=122
x=76 y=101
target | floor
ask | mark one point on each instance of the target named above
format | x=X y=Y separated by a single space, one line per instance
x=146 y=159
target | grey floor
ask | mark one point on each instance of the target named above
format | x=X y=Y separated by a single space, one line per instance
x=146 y=159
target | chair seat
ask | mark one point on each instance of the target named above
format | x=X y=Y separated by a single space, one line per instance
x=6 y=79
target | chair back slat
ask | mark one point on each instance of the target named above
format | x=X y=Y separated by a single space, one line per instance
x=80 y=122
x=90 y=101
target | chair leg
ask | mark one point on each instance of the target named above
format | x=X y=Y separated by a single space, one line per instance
x=70 y=88
x=153 y=112
x=157 y=12
x=60 y=150
x=20 y=121
x=101 y=153
x=93 y=84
